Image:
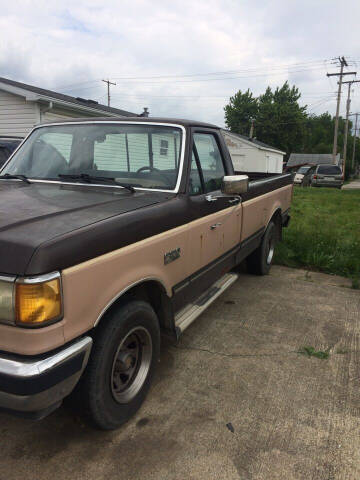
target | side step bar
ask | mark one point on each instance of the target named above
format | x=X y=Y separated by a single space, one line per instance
x=188 y=314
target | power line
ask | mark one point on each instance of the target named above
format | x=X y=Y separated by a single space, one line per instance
x=228 y=72
x=144 y=95
x=269 y=70
x=272 y=73
x=269 y=73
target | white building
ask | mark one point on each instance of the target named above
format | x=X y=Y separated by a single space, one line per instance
x=23 y=106
x=250 y=155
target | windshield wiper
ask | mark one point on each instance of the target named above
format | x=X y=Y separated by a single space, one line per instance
x=93 y=178
x=8 y=176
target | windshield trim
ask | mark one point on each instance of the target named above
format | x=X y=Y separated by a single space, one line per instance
x=161 y=124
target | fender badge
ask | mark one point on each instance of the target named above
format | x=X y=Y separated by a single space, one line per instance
x=171 y=256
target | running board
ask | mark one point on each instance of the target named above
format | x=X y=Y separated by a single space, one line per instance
x=188 y=314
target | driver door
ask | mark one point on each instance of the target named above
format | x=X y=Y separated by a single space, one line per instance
x=217 y=218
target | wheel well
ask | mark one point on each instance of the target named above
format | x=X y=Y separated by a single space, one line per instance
x=277 y=219
x=154 y=293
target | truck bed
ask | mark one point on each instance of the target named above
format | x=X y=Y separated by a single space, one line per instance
x=261 y=183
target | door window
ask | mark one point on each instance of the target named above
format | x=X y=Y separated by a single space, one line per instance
x=210 y=159
x=195 y=186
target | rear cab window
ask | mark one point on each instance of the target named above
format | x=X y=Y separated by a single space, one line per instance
x=329 y=170
x=303 y=170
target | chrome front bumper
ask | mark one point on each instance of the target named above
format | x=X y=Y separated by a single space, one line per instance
x=36 y=386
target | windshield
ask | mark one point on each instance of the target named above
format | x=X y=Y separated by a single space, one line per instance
x=303 y=170
x=138 y=155
x=329 y=170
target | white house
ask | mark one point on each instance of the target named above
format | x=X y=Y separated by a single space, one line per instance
x=23 y=106
x=251 y=155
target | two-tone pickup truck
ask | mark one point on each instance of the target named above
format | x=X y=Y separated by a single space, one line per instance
x=113 y=231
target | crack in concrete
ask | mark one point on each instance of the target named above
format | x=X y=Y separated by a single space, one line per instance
x=235 y=355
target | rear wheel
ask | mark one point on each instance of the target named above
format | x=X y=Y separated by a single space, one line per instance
x=122 y=364
x=259 y=262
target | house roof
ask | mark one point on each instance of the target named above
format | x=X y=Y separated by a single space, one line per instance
x=256 y=142
x=41 y=93
x=313 y=158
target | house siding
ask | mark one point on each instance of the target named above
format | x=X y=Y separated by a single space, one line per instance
x=17 y=116
x=111 y=155
x=251 y=158
x=62 y=114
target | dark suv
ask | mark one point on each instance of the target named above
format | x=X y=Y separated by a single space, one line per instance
x=7 y=146
x=327 y=176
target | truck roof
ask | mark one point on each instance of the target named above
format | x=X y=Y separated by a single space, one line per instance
x=179 y=121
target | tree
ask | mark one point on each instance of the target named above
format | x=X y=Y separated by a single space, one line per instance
x=241 y=109
x=279 y=119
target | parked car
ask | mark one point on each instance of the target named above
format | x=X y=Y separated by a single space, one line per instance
x=302 y=172
x=112 y=232
x=7 y=146
x=327 y=176
x=306 y=181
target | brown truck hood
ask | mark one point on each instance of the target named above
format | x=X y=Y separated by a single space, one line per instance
x=37 y=216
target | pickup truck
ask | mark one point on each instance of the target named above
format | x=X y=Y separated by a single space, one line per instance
x=114 y=232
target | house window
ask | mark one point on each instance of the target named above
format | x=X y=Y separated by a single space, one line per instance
x=164 y=146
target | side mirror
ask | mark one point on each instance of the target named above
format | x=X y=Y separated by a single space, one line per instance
x=235 y=184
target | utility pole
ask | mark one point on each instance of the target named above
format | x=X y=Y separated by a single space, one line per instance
x=353 y=152
x=252 y=120
x=348 y=101
x=343 y=63
x=108 y=89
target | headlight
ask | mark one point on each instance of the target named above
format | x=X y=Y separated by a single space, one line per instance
x=31 y=301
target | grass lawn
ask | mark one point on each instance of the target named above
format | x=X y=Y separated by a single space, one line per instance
x=324 y=232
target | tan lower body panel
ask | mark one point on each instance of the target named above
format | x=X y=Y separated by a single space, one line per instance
x=258 y=211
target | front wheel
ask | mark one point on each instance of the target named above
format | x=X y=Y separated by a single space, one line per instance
x=259 y=262
x=121 y=366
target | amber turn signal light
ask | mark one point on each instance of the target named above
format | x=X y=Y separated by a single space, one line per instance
x=38 y=303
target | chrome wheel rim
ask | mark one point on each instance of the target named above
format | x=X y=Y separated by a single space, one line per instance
x=131 y=365
x=270 y=250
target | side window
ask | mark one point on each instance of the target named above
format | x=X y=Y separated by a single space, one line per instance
x=195 y=180
x=164 y=147
x=165 y=151
x=210 y=161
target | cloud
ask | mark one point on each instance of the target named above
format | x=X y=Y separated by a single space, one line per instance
x=70 y=47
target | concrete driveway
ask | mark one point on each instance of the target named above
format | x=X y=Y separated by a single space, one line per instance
x=293 y=417
x=353 y=185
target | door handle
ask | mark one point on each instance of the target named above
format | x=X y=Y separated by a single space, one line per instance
x=235 y=200
x=215 y=226
x=210 y=198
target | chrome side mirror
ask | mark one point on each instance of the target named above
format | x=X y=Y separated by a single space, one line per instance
x=235 y=184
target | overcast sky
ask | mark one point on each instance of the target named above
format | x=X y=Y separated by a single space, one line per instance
x=200 y=52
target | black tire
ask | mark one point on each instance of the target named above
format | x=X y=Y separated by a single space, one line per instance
x=259 y=262
x=106 y=404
